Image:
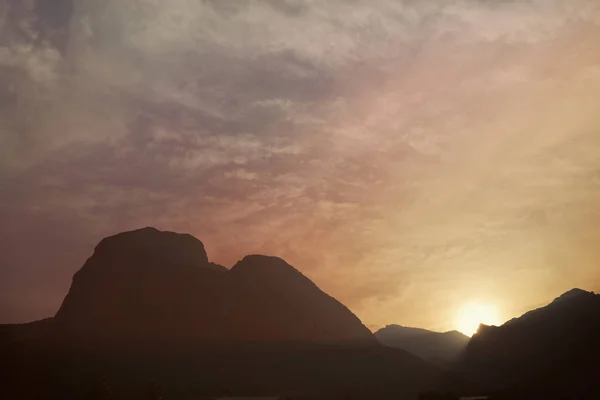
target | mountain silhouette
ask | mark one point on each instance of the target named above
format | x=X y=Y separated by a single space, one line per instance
x=148 y=306
x=551 y=352
x=437 y=347
x=148 y=285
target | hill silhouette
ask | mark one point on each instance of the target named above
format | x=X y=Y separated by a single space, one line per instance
x=551 y=352
x=148 y=306
x=437 y=347
x=148 y=285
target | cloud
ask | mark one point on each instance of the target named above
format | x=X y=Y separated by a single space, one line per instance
x=387 y=148
x=40 y=65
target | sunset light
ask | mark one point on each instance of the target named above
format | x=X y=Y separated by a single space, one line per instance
x=472 y=315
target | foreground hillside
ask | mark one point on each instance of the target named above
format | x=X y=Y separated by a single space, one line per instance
x=148 y=307
x=548 y=353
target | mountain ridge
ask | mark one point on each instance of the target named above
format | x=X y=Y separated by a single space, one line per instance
x=545 y=353
x=134 y=279
x=441 y=348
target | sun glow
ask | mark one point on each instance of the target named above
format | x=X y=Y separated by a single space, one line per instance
x=471 y=315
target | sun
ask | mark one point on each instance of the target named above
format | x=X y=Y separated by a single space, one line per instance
x=471 y=315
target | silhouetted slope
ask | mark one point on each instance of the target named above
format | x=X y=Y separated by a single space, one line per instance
x=156 y=285
x=148 y=306
x=438 y=347
x=15 y=334
x=549 y=352
x=279 y=302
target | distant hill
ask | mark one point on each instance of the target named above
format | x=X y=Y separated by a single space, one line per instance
x=436 y=347
x=148 y=306
x=551 y=352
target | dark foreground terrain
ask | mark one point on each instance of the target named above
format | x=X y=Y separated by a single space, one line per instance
x=549 y=353
x=149 y=315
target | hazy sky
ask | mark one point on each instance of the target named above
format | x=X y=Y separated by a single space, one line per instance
x=409 y=156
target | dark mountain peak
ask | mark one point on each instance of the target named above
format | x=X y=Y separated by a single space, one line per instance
x=571 y=299
x=160 y=286
x=456 y=336
x=395 y=329
x=261 y=262
x=150 y=243
x=407 y=330
x=390 y=327
x=484 y=329
x=557 y=344
x=397 y=326
x=136 y=278
x=257 y=266
x=574 y=294
x=437 y=347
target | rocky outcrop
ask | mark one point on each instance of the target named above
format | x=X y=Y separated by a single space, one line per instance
x=148 y=285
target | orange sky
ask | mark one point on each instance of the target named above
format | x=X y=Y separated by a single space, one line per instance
x=409 y=157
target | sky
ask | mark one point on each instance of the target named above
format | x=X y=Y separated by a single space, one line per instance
x=409 y=156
